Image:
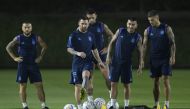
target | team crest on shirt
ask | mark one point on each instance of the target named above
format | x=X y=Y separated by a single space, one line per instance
x=162 y=32
x=98 y=30
x=22 y=43
x=121 y=36
x=79 y=38
x=33 y=42
x=151 y=34
x=132 y=40
x=90 y=39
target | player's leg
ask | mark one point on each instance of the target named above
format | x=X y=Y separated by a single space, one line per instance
x=22 y=76
x=127 y=91
x=167 y=90
x=86 y=84
x=156 y=73
x=76 y=80
x=156 y=90
x=78 y=96
x=41 y=94
x=105 y=74
x=36 y=79
x=85 y=77
x=126 y=79
x=105 y=71
x=23 y=95
x=90 y=89
x=114 y=93
x=114 y=78
x=166 y=69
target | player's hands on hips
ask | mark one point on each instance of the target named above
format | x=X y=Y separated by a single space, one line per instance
x=172 y=61
x=38 y=59
x=18 y=59
x=81 y=54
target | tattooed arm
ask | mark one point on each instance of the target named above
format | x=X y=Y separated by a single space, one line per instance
x=173 y=46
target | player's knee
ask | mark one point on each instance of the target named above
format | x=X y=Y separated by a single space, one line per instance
x=86 y=74
x=113 y=84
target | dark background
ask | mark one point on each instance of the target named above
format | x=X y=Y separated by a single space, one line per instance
x=54 y=20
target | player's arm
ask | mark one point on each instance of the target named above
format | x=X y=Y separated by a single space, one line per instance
x=71 y=50
x=173 y=46
x=145 y=41
x=9 y=48
x=140 y=49
x=109 y=34
x=97 y=57
x=110 y=46
x=43 y=46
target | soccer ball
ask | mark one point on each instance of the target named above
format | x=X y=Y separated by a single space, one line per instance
x=88 y=105
x=98 y=102
x=69 y=106
x=109 y=105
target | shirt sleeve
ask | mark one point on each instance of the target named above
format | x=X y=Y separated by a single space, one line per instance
x=70 y=41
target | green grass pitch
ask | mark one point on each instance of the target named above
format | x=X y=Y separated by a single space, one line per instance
x=59 y=92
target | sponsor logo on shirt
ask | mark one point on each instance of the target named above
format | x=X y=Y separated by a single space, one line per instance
x=33 y=42
x=79 y=38
x=121 y=36
x=161 y=32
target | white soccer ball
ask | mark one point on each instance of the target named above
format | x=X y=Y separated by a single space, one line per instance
x=69 y=106
x=88 y=105
x=98 y=102
x=109 y=105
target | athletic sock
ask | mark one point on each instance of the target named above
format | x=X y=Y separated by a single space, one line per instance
x=113 y=102
x=24 y=104
x=167 y=103
x=126 y=101
x=90 y=98
x=43 y=104
x=79 y=106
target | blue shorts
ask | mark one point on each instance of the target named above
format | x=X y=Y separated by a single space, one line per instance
x=30 y=71
x=77 y=69
x=159 y=68
x=123 y=70
x=102 y=57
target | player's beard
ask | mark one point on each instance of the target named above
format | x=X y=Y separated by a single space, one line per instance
x=27 y=33
x=83 y=29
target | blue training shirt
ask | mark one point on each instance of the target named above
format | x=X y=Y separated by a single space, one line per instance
x=124 y=46
x=82 y=42
x=27 y=48
x=160 y=44
x=98 y=29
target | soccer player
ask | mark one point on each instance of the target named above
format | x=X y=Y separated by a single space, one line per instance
x=81 y=44
x=125 y=40
x=162 y=54
x=99 y=29
x=28 y=62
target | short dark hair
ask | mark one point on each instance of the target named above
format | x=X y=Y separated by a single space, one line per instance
x=90 y=11
x=132 y=18
x=152 y=13
x=83 y=18
x=26 y=22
